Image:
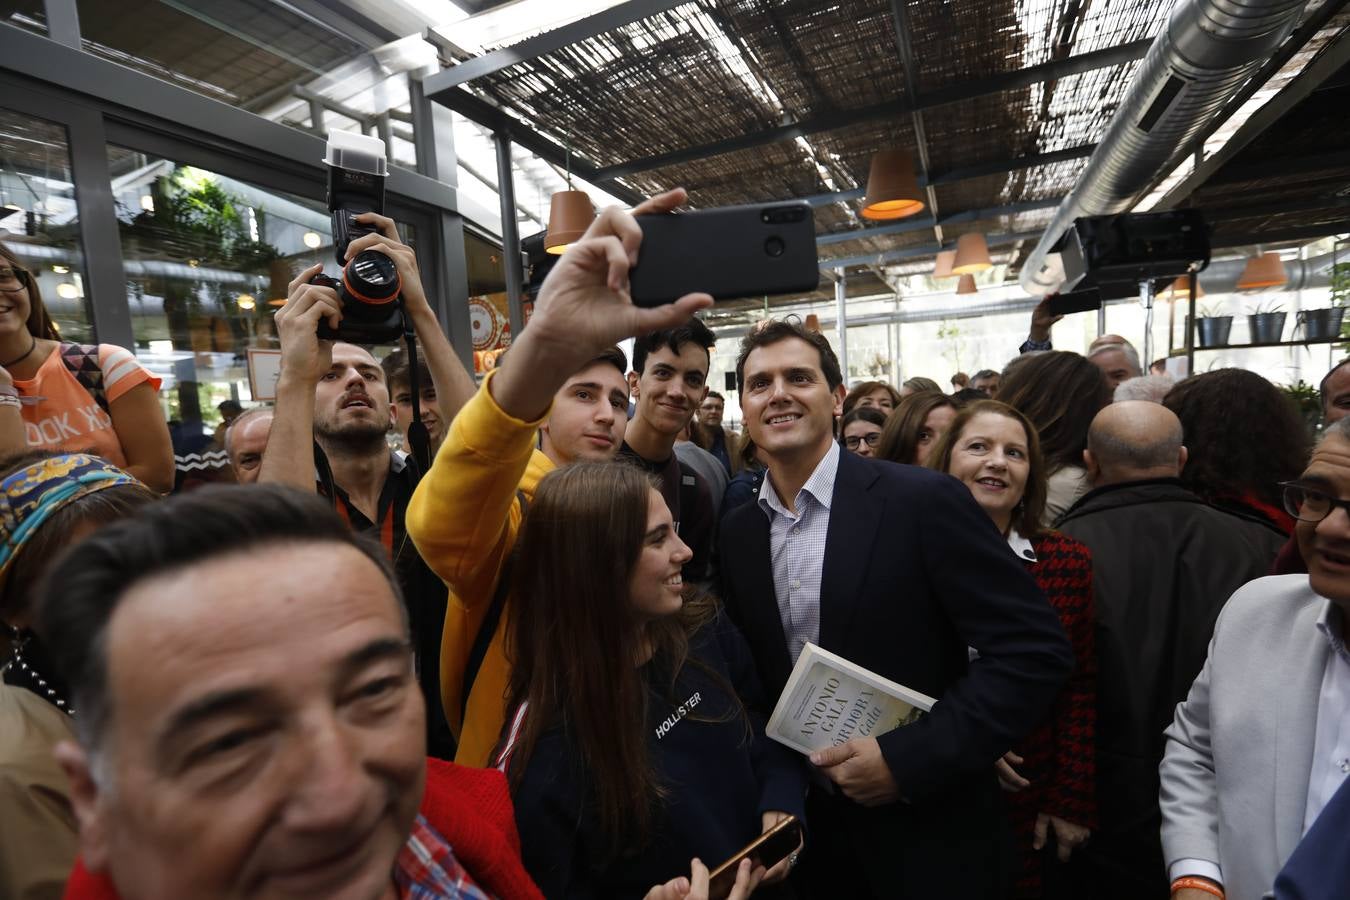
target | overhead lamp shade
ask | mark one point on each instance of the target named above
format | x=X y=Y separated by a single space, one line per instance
x=966 y=285
x=1181 y=289
x=972 y=255
x=570 y=213
x=813 y=323
x=943 y=267
x=1266 y=270
x=892 y=188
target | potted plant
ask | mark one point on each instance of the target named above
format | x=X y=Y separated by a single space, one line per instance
x=1267 y=323
x=1211 y=329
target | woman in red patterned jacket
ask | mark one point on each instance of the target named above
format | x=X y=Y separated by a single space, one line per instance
x=994 y=450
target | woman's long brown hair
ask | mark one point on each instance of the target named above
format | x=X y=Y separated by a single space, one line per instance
x=40 y=324
x=900 y=437
x=574 y=640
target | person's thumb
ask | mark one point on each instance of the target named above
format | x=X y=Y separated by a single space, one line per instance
x=833 y=756
x=669 y=315
x=1042 y=821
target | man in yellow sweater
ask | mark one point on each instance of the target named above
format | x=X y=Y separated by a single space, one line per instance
x=560 y=395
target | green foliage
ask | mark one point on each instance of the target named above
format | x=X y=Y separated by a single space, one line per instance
x=1340 y=284
x=195 y=220
x=950 y=332
x=1307 y=401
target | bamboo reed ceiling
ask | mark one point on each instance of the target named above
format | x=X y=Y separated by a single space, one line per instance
x=711 y=71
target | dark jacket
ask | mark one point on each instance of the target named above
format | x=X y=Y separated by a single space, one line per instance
x=914 y=573
x=1164 y=563
x=720 y=778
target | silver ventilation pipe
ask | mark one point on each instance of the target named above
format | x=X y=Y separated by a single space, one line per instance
x=1199 y=61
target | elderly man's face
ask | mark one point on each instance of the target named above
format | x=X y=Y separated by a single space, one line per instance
x=266 y=736
x=1115 y=365
x=1325 y=545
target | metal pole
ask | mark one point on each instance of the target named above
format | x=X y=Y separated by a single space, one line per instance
x=1146 y=298
x=506 y=192
x=1101 y=319
x=841 y=320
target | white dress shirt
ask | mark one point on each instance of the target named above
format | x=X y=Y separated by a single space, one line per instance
x=797 y=550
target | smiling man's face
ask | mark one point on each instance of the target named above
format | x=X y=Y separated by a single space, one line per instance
x=262 y=743
x=1325 y=545
x=671 y=387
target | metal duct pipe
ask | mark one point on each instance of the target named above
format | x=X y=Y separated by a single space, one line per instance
x=1198 y=62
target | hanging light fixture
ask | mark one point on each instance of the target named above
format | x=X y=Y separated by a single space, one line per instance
x=966 y=285
x=943 y=267
x=972 y=254
x=1181 y=289
x=812 y=323
x=1266 y=270
x=246 y=301
x=570 y=213
x=892 y=187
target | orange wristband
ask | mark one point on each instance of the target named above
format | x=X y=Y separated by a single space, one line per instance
x=1199 y=884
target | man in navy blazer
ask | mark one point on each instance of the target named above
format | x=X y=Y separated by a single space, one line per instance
x=898 y=570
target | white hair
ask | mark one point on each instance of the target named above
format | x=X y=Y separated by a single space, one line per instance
x=1152 y=388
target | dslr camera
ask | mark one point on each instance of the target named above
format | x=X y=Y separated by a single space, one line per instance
x=370 y=288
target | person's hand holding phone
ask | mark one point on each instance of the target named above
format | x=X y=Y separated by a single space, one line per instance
x=696 y=886
x=779 y=871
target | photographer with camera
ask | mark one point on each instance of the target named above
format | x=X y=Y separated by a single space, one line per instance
x=333 y=394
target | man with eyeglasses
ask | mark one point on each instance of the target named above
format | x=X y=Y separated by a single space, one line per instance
x=1262 y=742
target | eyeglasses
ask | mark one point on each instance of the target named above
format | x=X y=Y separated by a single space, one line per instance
x=1309 y=504
x=853 y=440
x=13 y=279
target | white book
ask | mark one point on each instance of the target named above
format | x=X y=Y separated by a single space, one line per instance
x=829 y=700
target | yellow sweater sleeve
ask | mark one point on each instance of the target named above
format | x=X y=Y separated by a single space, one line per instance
x=462 y=515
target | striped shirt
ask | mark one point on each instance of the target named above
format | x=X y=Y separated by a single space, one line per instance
x=427 y=869
x=797 y=550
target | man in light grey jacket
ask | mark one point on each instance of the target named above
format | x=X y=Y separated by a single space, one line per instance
x=1262 y=741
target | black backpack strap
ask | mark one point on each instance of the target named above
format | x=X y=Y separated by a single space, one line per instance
x=688 y=491
x=491 y=621
x=82 y=361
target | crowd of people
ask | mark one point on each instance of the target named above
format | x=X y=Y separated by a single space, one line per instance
x=544 y=664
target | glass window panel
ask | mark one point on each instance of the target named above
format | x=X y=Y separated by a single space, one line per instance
x=208 y=259
x=39 y=218
x=30 y=15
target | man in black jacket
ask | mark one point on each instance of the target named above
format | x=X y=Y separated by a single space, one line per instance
x=897 y=569
x=1163 y=565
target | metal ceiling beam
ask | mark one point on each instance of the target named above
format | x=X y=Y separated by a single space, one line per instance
x=969 y=90
x=1297 y=233
x=924 y=222
x=1323 y=66
x=548 y=42
x=951 y=176
x=523 y=135
x=908 y=66
x=993 y=240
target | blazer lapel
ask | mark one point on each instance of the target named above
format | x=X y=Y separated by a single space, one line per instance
x=855 y=518
x=760 y=603
x=1297 y=734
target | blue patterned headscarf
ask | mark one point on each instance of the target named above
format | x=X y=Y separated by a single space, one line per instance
x=31 y=495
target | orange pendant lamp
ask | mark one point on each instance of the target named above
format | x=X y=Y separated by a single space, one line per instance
x=1266 y=270
x=967 y=285
x=1181 y=290
x=570 y=213
x=943 y=267
x=972 y=254
x=892 y=187
x=813 y=323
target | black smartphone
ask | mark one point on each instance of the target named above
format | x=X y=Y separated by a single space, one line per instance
x=729 y=252
x=1075 y=302
x=767 y=850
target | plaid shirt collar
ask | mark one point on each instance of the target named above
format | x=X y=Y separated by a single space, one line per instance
x=427 y=869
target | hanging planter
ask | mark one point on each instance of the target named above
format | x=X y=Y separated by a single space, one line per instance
x=1212 y=330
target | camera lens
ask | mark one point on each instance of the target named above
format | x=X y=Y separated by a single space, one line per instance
x=774 y=246
x=372 y=277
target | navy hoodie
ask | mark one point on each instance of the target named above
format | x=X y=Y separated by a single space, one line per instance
x=719 y=780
